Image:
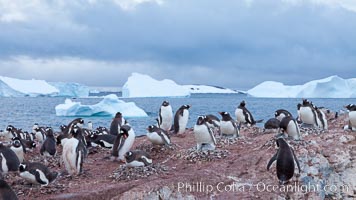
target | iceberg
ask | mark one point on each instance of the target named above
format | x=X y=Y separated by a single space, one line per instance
x=197 y=89
x=17 y=87
x=140 y=85
x=71 y=89
x=109 y=106
x=330 y=87
x=12 y=87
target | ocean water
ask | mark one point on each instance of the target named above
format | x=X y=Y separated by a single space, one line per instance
x=23 y=112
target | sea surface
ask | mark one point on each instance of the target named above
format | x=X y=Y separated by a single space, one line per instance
x=23 y=112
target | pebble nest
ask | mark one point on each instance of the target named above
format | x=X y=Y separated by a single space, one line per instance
x=134 y=173
x=193 y=156
x=222 y=142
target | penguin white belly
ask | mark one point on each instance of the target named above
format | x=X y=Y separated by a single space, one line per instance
x=40 y=137
x=307 y=115
x=43 y=177
x=352 y=118
x=4 y=167
x=135 y=163
x=202 y=135
x=154 y=138
x=227 y=128
x=167 y=117
x=240 y=115
x=183 y=121
x=19 y=153
x=293 y=130
x=29 y=177
x=106 y=144
x=8 y=136
x=127 y=145
x=70 y=155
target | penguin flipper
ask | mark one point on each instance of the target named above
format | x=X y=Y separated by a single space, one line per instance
x=211 y=134
x=162 y=137
x=160 y=117
x=237 y=128
x=144 y=160
x=271 y=161
x=295 y=158
x=38 y=178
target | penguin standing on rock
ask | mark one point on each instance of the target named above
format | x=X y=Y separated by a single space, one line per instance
x=228 y=126
x=123 y=142
x=290 y=126
x=181 y=119
x=48 y=148
x=204 y=135
x=8 y=160
x=285 y=158
x=74 y=151
x=137 y=159
x=18 y=148
x=307 y=113
x=243 y=115
x=6 y=192
x=165 y=117
x=37 y=173
x=158 y=136
x=117 y=121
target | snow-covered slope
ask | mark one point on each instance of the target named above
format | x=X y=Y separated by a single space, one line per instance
x=109 y=106
x=139 y=85
x=330 y=87
x=18 y=87
x=12 y=87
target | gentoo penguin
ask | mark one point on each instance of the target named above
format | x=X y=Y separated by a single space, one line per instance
x=18 y=148
x=165 y=116
x=352 y=116
x=307 y=113
x=228 y=126
x=290 y=126
x=157 y=135
x=28 y=144
x=181 y=119
x=8 y=160
x=243 y=115
x=117 y=121
x=48 y=147
x=272 y=123
x=6 y=192
x=68 y=129
x=104 y=140
x=281 y=113
x=203 y=134
x=137 y=159
x=9 y=133
x=213 y=122
x=40 y=134
x=123 y=142
x=321 y=118
x=102 y=130
x=74 y=151
x=37 y=173
x=285 y=158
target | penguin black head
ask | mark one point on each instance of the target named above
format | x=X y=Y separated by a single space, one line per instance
x=299 y=105
x=33 y=144
x=118 y=115
x=186 y=106
x=165 y=103
x=306 y=102
x=225 y=116
x=22 y=167
x=9 y=128
x=128 y=155
x=243 y=103
x=124 y=133
x=81 y=121
x=62 y=127
x=16 y=142
x=351 y=107
x=201 y=120
x=151 y=128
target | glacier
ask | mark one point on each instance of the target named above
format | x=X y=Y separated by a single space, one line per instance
x=140 y=85
x=12 y=87
x=330 y=87
x=109 y=106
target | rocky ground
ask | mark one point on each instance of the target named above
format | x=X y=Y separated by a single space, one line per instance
x=236 y=169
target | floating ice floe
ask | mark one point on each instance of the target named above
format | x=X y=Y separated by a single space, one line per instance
x=109 y=106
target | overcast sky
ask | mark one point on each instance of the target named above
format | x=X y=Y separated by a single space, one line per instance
x=231 y=43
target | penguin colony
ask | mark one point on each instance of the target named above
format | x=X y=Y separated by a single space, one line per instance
x=119 y=139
